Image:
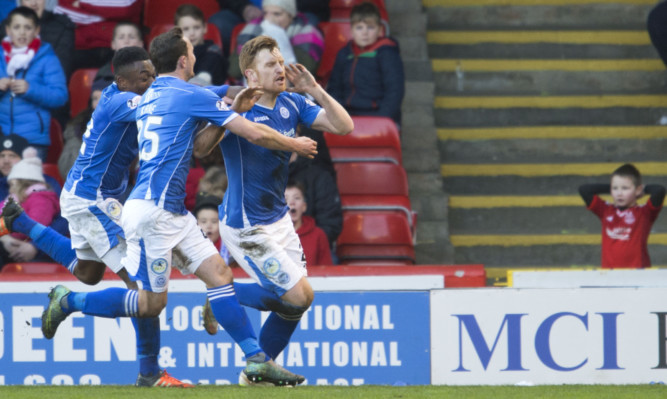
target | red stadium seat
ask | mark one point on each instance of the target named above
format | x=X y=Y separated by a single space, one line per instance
x=233 y=41
x=162 y=11
x=56 y=146
x=79 y=87
x=51 y=169
x=340 y=9
x=212 y=33
x=336 y=36
x=373 y=139
x=374 y=238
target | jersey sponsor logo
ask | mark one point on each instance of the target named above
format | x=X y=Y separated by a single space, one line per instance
x=619 y=233
x=134 y=102
x=114 y=209
x=271 y=266
x=283 y=278
x=159 y=266
x=160 y=281
x=284 y=112
x=261 y=118
x=221 y=105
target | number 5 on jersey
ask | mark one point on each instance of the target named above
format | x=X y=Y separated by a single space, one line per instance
x=148 y=139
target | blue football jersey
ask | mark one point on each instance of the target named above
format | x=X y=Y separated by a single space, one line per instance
x=167 y=117
x=109 y=146
x=257 y=176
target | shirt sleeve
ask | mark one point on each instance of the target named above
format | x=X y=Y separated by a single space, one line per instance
x=206 y=105
x=125 y=107
x=219 y=91
x=598 y=206
x=308 y=110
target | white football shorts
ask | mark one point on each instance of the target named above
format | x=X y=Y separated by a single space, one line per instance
x=158 y=239
x=95 y=228
x=270 y=254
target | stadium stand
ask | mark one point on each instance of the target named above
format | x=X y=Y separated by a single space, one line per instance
x=79 y=88
x=56 y=147
x=336 y=36
x=373 y=139
x=340 y=9
x=51 y=169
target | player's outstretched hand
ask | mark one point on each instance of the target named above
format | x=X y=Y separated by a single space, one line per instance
x=306 y=147
x=302 y=80
x=246 y=99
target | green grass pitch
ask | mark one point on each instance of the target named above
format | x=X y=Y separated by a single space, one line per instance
x=324 y=392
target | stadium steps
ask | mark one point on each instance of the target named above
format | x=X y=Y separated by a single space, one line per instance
x=532 y=99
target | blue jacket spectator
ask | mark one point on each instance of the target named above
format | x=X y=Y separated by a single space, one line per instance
x=32 y=81
x=369 y=81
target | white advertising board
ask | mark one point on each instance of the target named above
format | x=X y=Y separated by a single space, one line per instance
x=588 y=278
x=548 y=336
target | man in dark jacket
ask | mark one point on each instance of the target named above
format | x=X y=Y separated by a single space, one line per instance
x=321 y=193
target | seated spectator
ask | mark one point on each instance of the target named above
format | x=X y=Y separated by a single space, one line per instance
x=32 y=81
x=55 y=29
x=11 y=151
x=211 y=65
x=367 y=77
x=28 y=188
x=299 y=41
x=206 y=213
x=125 y=34
x=73 y=134
x=313 y=239
x=95 y=21
x=234 y=12
x=214 y=181
x=321 y=192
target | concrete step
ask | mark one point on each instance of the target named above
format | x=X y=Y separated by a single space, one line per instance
x=551 y=82
x=553 y=132
x=631 y=37
x=541 y=51
x=532 y=14
x=554 y=150
x=513 y=117
x=519 y=185
x=551 y=220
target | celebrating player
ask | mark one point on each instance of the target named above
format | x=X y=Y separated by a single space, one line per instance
x=158 y=228
x=254 y=223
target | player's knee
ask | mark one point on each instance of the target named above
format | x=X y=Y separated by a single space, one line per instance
x=151 y=304
x=89 y=273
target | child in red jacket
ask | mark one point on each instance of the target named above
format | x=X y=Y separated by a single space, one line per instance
x=313 y=239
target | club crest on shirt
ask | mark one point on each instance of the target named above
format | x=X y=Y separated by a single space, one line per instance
x=221 y=105
x=159 y=266
x=284 y=112
x=309 y=102
x=271 y=266
x=134 y=102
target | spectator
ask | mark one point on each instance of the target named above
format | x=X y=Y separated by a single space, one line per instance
x=28 y=188
x=321 y=192
x=125 y=34
x=55 y=29
x=367 y=77
x=206 y=213
x=625 y=225
x=211 y=65
x=11 y=150
x=73 y=134
x=657 y=29
x=298 y=40
x=313 y=239
x=214 y=181
x=32 y=81
x=95 y=21
x=234 y=12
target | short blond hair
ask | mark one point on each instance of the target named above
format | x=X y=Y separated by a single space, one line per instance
x=252 y=47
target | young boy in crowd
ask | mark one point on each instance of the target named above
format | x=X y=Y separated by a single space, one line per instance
x=313 y=239
x=211 y=66
x=125 y=34
x=367 y=77
x=206 y=213
x=625 y=224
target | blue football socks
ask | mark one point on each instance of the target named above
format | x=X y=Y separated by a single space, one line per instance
x=233 y=318
x=53 y=243
x=276 y=333
x=148 y=344
x=111 y=303
x=23 y=223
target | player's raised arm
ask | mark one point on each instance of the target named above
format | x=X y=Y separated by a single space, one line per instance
x=335 y=118
x=267 y=137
